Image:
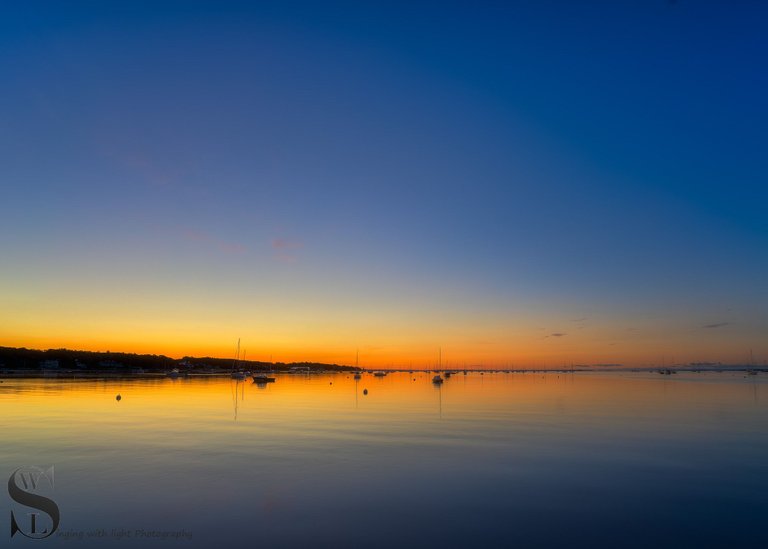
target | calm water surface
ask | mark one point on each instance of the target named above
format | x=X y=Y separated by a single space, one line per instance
x=494 y=460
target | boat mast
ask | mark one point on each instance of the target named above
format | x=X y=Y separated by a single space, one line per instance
x=237 y=356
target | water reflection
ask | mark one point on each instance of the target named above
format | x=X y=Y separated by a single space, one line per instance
x=631 y=460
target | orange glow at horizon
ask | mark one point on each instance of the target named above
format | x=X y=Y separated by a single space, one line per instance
x=540 y=353
x=329 y=326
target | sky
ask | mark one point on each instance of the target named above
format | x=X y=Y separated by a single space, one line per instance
x=515 y=184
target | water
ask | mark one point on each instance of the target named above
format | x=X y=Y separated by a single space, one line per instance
x=494 y=460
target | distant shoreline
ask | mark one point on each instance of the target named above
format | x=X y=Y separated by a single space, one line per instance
x=112 y=374
x=22 y=362
x=66 y=361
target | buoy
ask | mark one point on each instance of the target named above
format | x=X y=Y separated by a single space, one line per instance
x=118 y=398
x=331 y=383
x=365 y=391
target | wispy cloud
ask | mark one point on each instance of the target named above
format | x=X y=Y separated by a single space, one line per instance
x=716 y=325
x=283 y=244
x=231 y=247
x=285 y=250
x=285 y=258
x=555 y=334
x=143 y=164
x=196 y=235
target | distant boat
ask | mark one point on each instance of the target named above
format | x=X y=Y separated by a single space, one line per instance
x=380 y=374
x=175 y=373
x=437 y=378
x=263 y=378
x=237 y=374
x=357 y=361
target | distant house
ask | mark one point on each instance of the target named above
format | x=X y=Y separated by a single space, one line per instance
x=49 y=364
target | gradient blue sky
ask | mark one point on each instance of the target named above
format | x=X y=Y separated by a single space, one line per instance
x=319 y=177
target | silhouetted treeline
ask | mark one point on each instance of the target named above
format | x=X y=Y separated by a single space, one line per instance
x=65 y=359
x=255 y=365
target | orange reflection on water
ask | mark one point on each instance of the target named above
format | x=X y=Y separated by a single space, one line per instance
x=32 y=406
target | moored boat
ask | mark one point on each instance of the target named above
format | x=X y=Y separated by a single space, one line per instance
x=263 y=378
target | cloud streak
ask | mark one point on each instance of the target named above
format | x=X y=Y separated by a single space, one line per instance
x=285 y=250
x=716 y=325
x=195 y=235
x=283 y=244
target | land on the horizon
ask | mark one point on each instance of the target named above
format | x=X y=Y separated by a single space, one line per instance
x=73 y=361
x=68 y=361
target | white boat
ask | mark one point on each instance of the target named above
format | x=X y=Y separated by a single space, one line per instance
x=437 y=379
x=357 y=365
x=237 y=374
x=175 y=373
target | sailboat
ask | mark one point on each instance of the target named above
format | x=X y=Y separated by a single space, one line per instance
x=237 y=374
x=263 y=378
x=357 y=360
x=437 y=379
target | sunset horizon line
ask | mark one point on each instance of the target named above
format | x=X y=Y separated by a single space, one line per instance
x=422 y=364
